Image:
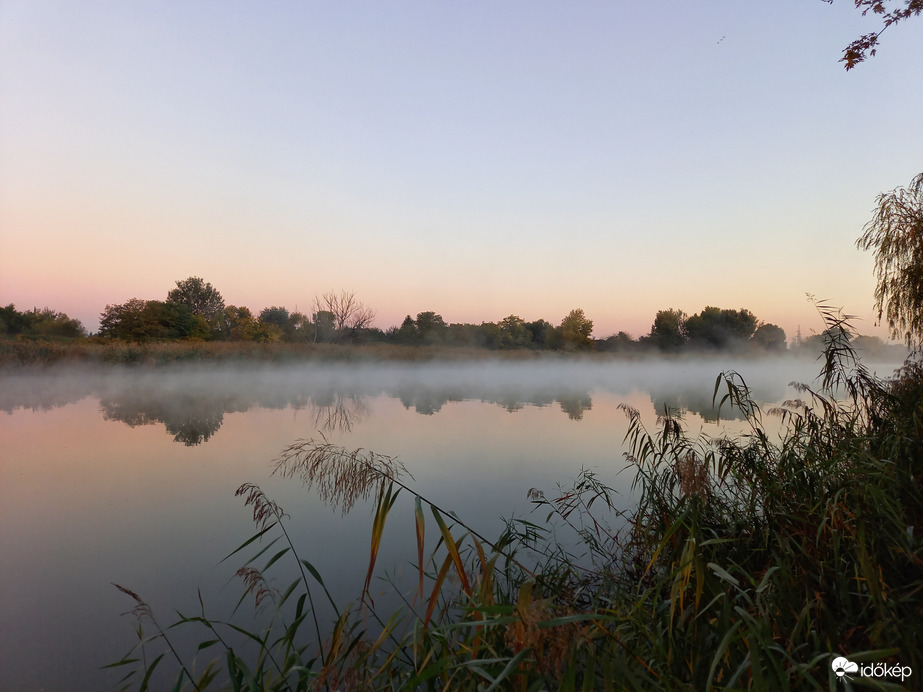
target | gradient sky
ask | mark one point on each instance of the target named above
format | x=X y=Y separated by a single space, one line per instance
x=473 y=158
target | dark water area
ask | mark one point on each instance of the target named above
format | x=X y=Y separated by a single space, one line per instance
x=128 y=476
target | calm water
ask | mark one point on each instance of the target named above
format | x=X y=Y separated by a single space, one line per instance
x=129 y=476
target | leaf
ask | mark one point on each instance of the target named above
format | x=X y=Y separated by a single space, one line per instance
x=453 y=551
x=148 y=673
x=723 y=574
x=437 y=588
x=317 y=578
x=274 y=558
x=420 y=523
x=250 y=540
x=386 y=498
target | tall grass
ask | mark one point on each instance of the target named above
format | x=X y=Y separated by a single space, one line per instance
x=94 y=350
x=748 y=563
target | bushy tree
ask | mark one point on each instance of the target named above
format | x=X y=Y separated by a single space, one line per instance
x=407 y=334
x=174 y=321
x=575 y=331
x=617 y=343
x=201 y=297
x=487 y=335
x=895 y=233
x=123 y=320
x=484 y=335
x=431 y=328
x=769 y=337
x=668 y=333
x=720 y=329
x=44 y=323
x=145 y=320
x=514 y=333
x=540 y=331
x=275 y=315
x=324 y=326
x=274 y=324
x=239 y=324
x=299 y=328
x=12 y=322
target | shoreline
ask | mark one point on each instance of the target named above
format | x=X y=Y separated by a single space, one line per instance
x=18 y=354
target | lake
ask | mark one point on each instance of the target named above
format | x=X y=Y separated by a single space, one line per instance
x=128 y=476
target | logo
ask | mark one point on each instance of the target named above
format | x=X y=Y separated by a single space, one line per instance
x=844 y=668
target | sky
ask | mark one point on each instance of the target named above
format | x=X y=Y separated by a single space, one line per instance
x=476 y=159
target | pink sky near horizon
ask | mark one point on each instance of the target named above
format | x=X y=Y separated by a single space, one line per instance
x=475 y=161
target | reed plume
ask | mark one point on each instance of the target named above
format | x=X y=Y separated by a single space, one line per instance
x=340 y=477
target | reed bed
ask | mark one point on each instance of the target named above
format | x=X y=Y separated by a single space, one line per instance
x=38 y=353
x=749 y=563
x=15 y=353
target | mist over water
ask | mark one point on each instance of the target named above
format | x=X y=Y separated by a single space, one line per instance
x=128 y=475
x=142 y=396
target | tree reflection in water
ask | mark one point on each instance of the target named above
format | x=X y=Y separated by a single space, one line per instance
x=334 y=411
x=191 y=419
x=191 y=402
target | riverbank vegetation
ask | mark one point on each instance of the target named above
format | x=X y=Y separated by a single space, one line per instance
x=749 y=562
x=158 y=332
x=744 y=562
x=194 y=313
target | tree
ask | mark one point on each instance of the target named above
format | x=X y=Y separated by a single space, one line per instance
x=407 y=334
x=514 y=333
x=541 y=331
x=856 y=51
x=484 y=335
x=199 y=295
x=278 y=323
x=575 y=330
x=896 y=234
x=12 y=322
x=239 y=324
x=44 y=323
x=617 y=343
x=717 y=328
x=275 y=315
x=124 y=320
x=173 y=321
x=143 y=320
x=324 y=325
x=349 y=313
x=431 y=328
x=299 y=328
x=668 y=333
x=770 y=337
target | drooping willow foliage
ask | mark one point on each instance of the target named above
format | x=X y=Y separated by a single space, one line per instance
x=896 y=235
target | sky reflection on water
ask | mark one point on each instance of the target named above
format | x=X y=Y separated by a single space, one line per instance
x=129 y=476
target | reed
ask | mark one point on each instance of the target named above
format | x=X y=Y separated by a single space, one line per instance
x=95 y=350
x=749 y=563
x=17 y=353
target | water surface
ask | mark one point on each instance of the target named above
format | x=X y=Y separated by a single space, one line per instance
x=128 y=476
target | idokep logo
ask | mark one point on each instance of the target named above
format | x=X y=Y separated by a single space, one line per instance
x=843 y=667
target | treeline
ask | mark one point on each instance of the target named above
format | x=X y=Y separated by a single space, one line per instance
x=195 y=311
x=39 y=324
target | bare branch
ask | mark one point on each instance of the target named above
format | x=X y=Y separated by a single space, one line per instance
x=345 y=312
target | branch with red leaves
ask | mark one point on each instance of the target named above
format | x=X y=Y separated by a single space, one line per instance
x=866 y=46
